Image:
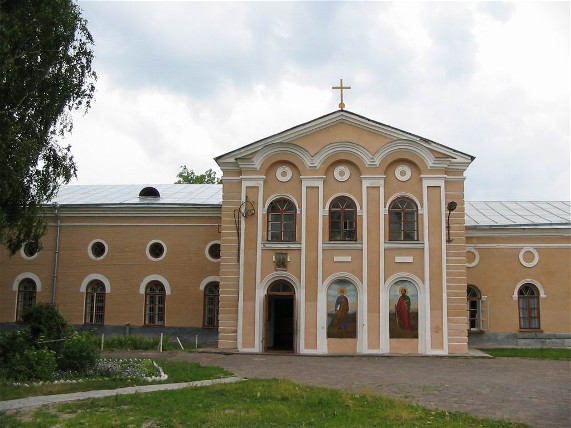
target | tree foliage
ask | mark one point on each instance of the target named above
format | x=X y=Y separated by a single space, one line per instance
x=45 y=76
x=188 y=176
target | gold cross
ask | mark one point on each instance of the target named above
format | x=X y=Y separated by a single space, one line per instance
x=341 y=87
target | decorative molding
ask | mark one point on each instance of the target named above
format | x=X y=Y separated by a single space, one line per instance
x=529 y=281
x=278 y=196
x=403 y=173
x=404 y=259
x=208 y=280
x=90 y=253
x=95 y=277
x=404 y=195
x=348 y=195
x=508 y=246
x=342 y=258
x=23 y=254
x=154 y=277
x=476 y=256
x=342 y=173
x=25 y=275
x=522 y=257
x=149 y=254
x=283 y=173
x=208 y=247
x=401 y=245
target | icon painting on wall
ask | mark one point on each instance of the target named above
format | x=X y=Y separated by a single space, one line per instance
x=342 y=310
x=403 y=310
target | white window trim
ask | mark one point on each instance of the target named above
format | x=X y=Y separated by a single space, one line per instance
x=149 y=254
x=24 y=275
x=208 y=247
x=92 y=277
x=208 y=280
x=529 y=281
x=90 y=253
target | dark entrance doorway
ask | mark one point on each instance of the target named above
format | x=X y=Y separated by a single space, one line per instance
x=280 y=318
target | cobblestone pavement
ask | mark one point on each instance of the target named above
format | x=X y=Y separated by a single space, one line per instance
x=536 y=392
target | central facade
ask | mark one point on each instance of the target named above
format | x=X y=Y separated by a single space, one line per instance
x=343 y=235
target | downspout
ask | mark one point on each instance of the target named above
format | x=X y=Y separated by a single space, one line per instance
x=55 y=206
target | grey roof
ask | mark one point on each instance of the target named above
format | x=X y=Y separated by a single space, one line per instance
x=128 y=194
x=518 y=214
x=478 y=214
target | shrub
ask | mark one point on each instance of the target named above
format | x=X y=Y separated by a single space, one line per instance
x=38 y=364
x=20 y=360
x=134 y=342
x=47 y=325
x=79 y=352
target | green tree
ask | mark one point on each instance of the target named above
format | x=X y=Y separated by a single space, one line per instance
x=188 y=176
x=45 y=76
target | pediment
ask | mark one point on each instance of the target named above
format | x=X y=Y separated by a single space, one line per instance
x=343 y=130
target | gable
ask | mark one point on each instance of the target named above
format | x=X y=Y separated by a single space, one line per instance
x=340 y=131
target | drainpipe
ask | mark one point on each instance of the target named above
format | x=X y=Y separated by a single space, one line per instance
x=55 y=206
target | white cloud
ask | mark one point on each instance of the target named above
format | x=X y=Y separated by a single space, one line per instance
x=184 y=82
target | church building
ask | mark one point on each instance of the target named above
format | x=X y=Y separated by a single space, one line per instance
x=341 y=235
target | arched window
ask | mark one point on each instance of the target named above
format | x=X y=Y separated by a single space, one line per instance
x=281 y=220
x=155 y=303
x=26 y=297
x=342 y=219
x=211 y=304
x=95 y=302
x=403 y=220
x=474 y=308
x=281 y=287
x=528 y=304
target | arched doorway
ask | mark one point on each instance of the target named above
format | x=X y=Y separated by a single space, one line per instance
x=279 y=308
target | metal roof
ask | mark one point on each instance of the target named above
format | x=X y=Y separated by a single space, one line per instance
x=128 y=194
x=478 y=214
x=518 y=214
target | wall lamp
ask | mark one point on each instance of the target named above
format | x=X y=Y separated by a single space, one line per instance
x=452 y=205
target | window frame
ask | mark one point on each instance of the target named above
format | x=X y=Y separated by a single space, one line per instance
x=400 y=226
x=475 y=322
x=289 y=209
x=155 y=304
x=211 y=306
x=529 y=316
x=340 y=208
x=25 y=298
x=150 y=250
x=95 y=303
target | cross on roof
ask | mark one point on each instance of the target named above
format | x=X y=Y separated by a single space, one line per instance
x=341 y=87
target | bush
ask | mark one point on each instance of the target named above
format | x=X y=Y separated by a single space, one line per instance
x=21 y=360
x=38 y=364
x=134 y=342
x=47 y=343
x=47 y=325
x=79 y=352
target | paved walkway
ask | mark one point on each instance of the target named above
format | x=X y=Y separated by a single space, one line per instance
x=537 y=392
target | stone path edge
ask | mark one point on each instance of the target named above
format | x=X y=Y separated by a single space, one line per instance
x=42 y=400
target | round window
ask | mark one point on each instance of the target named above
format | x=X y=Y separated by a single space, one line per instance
x=213 y=251
x=30 y=250
x=97 y=249
x=156 y=250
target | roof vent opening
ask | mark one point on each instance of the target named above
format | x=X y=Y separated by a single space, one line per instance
x=149 y=192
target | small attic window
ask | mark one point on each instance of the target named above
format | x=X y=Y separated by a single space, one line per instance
x=149 y=192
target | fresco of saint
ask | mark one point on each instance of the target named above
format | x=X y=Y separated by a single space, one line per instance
x=403 y=310
x=342 y=310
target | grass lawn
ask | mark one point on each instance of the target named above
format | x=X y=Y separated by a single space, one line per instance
x=176 y=371
x=252 y=403
x=537 y=353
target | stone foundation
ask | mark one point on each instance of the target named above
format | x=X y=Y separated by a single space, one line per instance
x=519 y=340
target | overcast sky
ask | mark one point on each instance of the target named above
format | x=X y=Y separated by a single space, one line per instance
x=183 y=82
